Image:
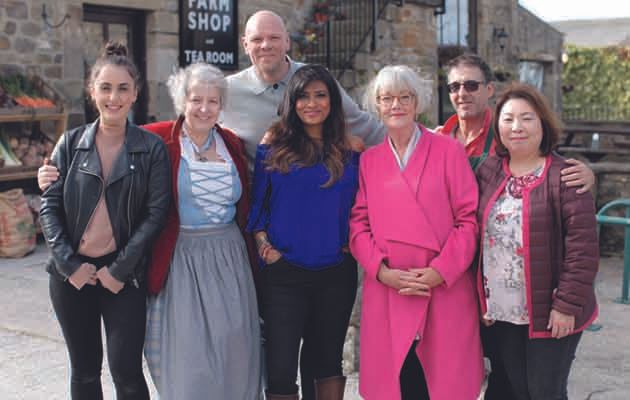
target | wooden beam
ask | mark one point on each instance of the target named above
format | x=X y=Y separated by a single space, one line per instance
x=612 y=127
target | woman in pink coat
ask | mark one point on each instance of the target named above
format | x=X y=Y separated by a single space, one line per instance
x=413 y=230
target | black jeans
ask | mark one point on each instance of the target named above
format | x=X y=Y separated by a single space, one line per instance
x=124 y=314
x=499 y=387
x=537 y=369
x=311 y=305
x=413 y=385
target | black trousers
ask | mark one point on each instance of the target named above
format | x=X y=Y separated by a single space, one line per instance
x=79 y=313
x=536 y=369
x=499 y=387
x=313 y=306
x=413 y=385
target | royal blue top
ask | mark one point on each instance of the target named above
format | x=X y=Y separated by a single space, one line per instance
x=305 y=222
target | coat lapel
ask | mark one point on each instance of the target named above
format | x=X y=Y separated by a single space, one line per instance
x=89 y=162
x=124 y=164
x=415 y=166
x=408 y=222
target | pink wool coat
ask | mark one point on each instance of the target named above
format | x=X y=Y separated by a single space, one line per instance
x=419 y=217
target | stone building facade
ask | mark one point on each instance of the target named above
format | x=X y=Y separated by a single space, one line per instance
x=60 y=55
x=407 y=34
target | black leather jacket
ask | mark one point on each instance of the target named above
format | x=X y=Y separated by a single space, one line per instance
x=137 y=195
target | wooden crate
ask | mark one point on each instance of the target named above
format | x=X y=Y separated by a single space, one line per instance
x=44 y=90
x=55 y=114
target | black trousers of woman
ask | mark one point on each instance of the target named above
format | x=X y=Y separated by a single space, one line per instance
x=499 y=387
x=413 y=385
x=124 y=315
x=537 y=369
x=296 y=300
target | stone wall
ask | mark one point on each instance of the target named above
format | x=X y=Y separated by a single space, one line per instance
x=407 y=35
x=26 y=45
x=529 y=39
x=57 y=54
x=497 y=14
x=541 y=42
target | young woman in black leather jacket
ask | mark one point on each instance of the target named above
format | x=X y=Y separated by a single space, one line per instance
x=100 y=219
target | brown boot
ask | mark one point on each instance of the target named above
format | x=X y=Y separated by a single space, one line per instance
x=271 y=396
x=330 y=388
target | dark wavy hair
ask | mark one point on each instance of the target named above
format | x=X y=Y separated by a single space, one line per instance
x=290 y=145
x=113 y=53
x=551 y=124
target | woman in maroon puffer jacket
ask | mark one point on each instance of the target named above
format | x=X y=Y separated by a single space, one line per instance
x=539 y=249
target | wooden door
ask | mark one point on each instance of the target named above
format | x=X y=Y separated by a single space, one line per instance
x=101 y=24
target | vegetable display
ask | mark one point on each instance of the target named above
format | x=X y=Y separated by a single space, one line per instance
x=18 y=90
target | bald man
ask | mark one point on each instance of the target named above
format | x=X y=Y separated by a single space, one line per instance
x=255 y=93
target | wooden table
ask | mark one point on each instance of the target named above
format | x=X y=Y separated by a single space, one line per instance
x=620 y=146
x=591 y=154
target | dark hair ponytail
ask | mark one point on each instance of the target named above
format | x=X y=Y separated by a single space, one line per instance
x=114 y=53
x=114 y=49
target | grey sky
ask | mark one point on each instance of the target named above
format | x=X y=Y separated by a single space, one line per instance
x=555 y=10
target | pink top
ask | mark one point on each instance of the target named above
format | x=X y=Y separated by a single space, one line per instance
x=98 y=238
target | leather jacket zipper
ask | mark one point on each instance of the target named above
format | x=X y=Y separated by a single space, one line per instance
x=134 y=279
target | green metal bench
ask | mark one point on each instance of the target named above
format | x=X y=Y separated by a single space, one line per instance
x=606 y=219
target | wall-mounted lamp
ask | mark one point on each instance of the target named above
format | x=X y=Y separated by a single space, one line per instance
x=48 y=23
x=440 y=7
x=500 y=36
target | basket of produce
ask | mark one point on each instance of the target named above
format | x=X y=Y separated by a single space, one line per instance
x=19 y=148
x=27 y=94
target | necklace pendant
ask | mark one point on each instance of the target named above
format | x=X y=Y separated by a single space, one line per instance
x=201 y=158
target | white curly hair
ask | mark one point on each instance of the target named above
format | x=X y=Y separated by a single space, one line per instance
x=179 y=83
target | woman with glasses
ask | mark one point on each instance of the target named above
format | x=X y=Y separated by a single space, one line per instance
x=305 y=180
x=413 y=230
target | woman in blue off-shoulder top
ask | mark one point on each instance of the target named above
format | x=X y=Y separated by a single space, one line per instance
x=305 y=181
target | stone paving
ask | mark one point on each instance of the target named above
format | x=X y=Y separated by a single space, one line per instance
x=34 y=366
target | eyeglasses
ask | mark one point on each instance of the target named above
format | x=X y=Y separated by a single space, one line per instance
x=469 y=86
x=388 y=100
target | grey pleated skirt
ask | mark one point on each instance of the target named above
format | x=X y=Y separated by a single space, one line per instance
x=203 y=334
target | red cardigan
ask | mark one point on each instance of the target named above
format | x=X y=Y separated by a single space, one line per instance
x=164 y=246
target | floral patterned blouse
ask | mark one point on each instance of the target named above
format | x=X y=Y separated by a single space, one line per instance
x=503 y=262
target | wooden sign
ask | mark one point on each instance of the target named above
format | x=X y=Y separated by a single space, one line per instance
x=208 y=32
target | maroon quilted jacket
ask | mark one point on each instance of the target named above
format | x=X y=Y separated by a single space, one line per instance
x=561 y=249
